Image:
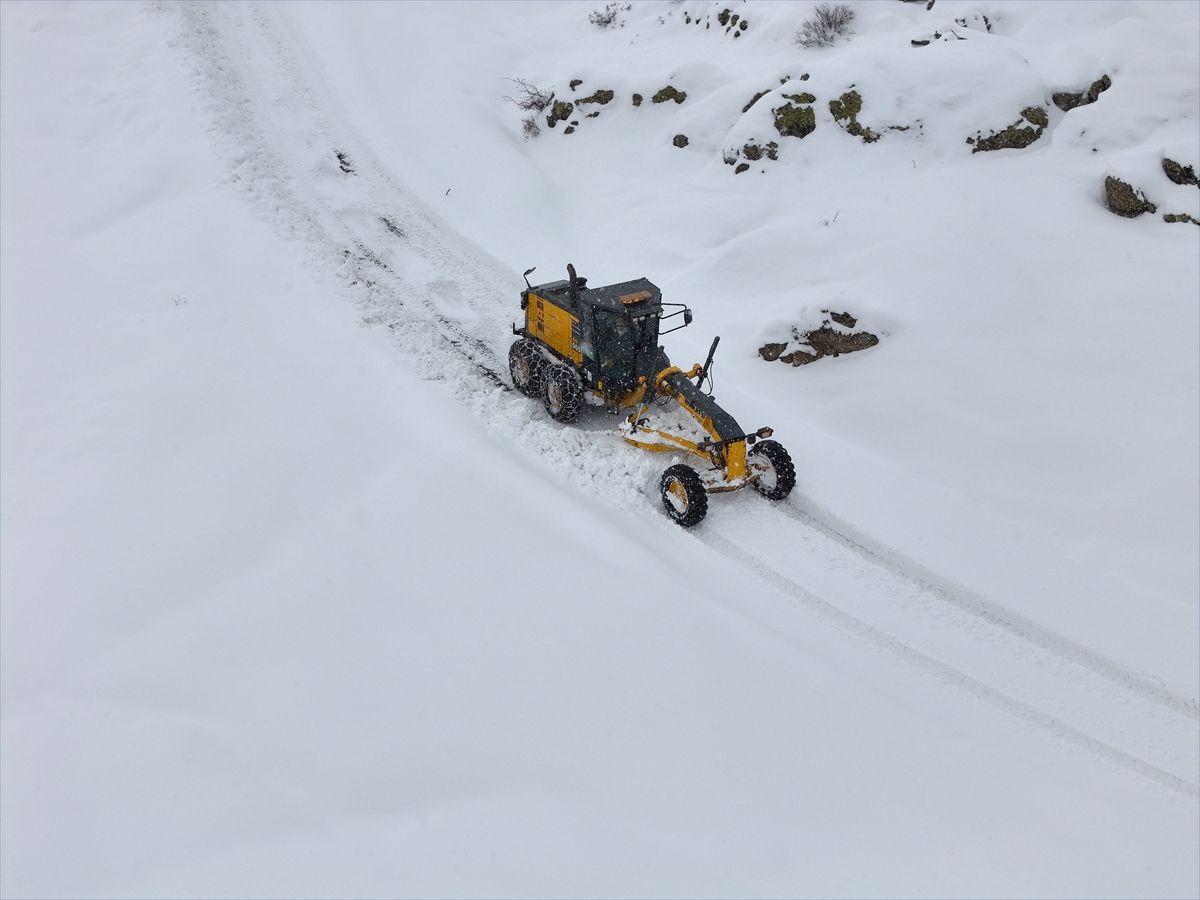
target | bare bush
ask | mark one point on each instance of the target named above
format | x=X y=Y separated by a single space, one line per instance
x=529 y=126
x=604 y=18
x=829 y=22
x=531 y=97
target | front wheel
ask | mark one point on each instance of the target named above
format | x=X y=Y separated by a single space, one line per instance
x=561 y=392
x=525 y=364
x=780 y=475
x=683 y=495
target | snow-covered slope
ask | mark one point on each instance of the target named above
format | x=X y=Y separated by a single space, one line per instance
x=293 y=606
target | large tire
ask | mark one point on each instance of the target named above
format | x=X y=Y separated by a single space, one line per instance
x=779 y=479
x=561 y=392
x=525 y=366
x=683 y=495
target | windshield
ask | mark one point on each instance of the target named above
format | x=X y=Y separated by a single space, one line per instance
x=620 y=339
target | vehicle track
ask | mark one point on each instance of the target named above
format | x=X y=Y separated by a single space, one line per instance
x=1038 y=684
x=448 y=306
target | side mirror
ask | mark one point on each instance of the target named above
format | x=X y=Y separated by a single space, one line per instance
x=687 y=316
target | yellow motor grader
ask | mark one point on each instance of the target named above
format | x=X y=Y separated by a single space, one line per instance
x=600 y=346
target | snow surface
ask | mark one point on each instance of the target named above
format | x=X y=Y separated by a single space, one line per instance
x=293 y=606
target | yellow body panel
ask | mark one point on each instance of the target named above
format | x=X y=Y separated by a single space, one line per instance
x=555 y=327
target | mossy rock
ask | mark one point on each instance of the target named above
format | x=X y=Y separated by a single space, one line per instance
x=795 y=121
x=1179 y=217
x=845 y=112
x=1016 y=136
x=801 y=98
x=1179 y=173
x=601 y=97
x=755 y=99
x=593 y=115
x=680 y=140
x=742 y=167
x=570 y=129
x=637 y=99
x=576 y=82
x=559 y=112
x=1123 y=200
x=754 y=152
x=723 y=17
x=847 y=107
x=668 y=93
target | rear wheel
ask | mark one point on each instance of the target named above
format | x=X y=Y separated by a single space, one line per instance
x=780 y=475
x=683 y=495
x=561 y=392
x=525 y=365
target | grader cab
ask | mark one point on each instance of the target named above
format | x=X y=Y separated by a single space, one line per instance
x=600 y=346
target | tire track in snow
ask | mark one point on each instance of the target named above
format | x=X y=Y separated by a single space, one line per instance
x=825 y=521
x=448 y=306
x=946 y=673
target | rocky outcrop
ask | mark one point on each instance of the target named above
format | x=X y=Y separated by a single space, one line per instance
x=1179 y=173
x=845 y=112
x=825 y=340
x=1016 y=136
x=1123 y=200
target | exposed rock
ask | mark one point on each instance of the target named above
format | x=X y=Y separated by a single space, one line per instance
x=1178 y=173
x=601 y=97
x=822 y=341
x=845 y=110
x=1068 y=101
x=1099 y=86
x=742 y=167
x=1034 y=114
x=754 y=100
x=798 y=358
x=680 y=140
x=1179 y=217
x=723 y=17
x=1123 y=200
x=844 y=319
x=795 y=121
x=770 y=352
x=828 y=342
x=637 y=99
x=668 y=93
x=570 y=129
x=755 y=152
x=1017 y=135
x=559 y=112
x=801 y=98
x=576 y=82
x=593 y=115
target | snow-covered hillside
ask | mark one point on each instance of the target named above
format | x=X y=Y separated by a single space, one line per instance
x=297 y=605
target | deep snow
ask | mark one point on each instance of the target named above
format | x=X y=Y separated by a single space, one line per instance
x=293 y=606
